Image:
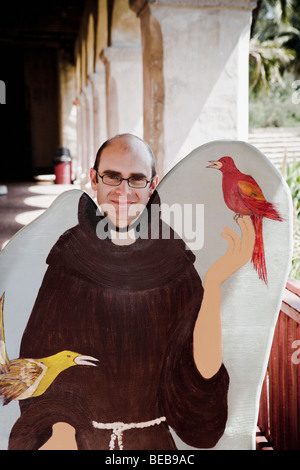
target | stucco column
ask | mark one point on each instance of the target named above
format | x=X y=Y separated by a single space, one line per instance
x=88 y=154
x=195 y=68
x=67 y=109
x=124 y=89
x=80 y=175
x=85 y=126
x=97 y=81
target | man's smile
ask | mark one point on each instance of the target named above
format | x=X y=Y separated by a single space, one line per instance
x=122 y=202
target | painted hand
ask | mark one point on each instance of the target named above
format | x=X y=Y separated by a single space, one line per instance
x=238 y=252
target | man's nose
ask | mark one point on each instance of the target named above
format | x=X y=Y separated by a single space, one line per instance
x=124 y=188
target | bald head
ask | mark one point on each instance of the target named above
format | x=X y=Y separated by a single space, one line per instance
x=128 y=142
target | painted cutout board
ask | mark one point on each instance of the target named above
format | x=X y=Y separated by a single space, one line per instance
x=54 y=307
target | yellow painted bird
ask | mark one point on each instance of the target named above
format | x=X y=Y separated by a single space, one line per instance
x=26 y=378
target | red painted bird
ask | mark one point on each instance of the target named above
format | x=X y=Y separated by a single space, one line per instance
x=243 y=196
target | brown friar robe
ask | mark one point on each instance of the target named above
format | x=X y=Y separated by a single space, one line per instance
x=133 y=308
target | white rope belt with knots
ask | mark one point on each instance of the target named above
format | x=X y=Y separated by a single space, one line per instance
x=118 y=428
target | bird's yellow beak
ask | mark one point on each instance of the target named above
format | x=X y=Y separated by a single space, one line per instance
x=215 y=164
x=85 y=360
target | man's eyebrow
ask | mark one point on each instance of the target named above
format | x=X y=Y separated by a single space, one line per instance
x=118 y=173
x=138 y=175
x=112 y=173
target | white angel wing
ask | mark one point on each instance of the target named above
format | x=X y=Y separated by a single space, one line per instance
x=22 y=268
x=249 y=308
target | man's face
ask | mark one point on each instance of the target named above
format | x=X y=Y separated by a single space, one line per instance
x=123 y=203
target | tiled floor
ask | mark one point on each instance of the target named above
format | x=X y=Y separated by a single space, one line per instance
x=23 y=203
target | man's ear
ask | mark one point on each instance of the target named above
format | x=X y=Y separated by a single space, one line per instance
x=154 y=184
x=93 y=177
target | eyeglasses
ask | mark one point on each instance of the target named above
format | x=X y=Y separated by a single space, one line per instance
x=133 y=182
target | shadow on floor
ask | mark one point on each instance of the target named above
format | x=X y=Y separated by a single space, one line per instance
x=23 y=203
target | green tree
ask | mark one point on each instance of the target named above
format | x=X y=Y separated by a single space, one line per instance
x=268 y=61
x=274 y=43
x=293 y=35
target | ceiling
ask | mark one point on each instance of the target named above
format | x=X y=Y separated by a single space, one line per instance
x=52 y=23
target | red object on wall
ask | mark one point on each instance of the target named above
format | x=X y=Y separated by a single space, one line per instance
x=63 y=166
